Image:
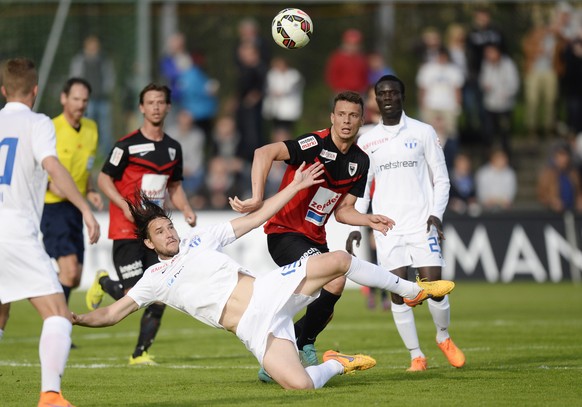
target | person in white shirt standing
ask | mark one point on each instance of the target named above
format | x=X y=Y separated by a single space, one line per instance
x=412 y=185
x=27 y=154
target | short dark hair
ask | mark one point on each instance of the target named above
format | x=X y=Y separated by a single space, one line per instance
x=391 y=78
x=349 y=96
x=156 y=87
x=75 y=81
x=144 y=211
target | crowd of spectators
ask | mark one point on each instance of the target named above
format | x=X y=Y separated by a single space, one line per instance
x=468 y=84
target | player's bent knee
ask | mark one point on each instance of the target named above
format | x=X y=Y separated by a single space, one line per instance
x=298 y=383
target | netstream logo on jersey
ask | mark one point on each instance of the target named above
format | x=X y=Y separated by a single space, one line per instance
x=307 y=142
x=321 y=205
x=391 y=165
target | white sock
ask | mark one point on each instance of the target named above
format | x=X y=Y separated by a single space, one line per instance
x=53 y=348
x=1 y=333
x=441 y=315
x=404 y=320
x=321 y=373
x=371 y=275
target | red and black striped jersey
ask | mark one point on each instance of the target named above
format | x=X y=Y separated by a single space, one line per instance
x=308 y=212
x=137 y=163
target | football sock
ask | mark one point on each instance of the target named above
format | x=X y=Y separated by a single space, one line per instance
x=67 y=292
x=441 y=316
x=317 y=316
x=112 y=287
x=321 y=374
x=150 y=323
x=53 y=348
x=404 y=320
x=371 y=275
x=1 y=333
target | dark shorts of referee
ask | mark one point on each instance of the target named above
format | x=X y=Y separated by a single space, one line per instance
x=62 y=230
x=286 y=248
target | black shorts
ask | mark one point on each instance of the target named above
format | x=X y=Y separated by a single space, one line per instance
x=285 y=248
x=62 y=230
x=131 y=258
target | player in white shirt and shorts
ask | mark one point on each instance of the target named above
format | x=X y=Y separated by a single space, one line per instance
x=27 y=154
x=196 y=277
x=411 y=185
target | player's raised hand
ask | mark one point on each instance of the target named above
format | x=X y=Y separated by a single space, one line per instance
x=306 y=177
x=381 y=223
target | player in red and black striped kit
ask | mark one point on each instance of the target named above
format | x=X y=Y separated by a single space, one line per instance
x=148 y=161
x=298 y=230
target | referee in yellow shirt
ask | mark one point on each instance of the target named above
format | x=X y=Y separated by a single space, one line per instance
x=62 y=223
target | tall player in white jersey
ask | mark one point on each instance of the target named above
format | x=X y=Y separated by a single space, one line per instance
x=197 y=278
x=27 y=154
x=412 y=185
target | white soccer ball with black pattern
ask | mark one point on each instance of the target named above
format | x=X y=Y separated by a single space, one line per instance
x=292 y=28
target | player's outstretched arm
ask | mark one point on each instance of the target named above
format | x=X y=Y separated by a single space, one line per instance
x=65 y=184
x=262 y=162
x=304 y=178
x=106 y=316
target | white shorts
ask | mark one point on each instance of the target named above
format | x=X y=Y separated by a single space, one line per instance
x=416 y=250
x=26 y=271
x=272 y=308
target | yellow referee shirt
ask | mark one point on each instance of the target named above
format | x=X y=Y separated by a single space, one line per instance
x=76 y=151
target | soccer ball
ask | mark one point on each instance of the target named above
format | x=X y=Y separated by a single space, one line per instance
x=292 y=28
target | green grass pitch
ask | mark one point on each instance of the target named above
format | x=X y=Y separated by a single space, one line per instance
x=523 y=343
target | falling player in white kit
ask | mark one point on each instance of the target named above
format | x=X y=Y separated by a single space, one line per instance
x=195 y=277
x=27 y=154
x=412 y=185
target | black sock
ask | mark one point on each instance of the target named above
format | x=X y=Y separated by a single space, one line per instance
x=112 y=287
x=316 y=318
x=150 y=323
x=67 y=292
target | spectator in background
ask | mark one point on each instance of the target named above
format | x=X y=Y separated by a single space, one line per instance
x=439 y=85
x=93 y=65
x=456 y=44
x=496 y=182
x=347 y=67
x=499 y=81
x=192 y=139
x=225 y=168
x=250 y=94
x=463 y=196
x=248 y=33
x=198 y=95
x=283 y=102
x=174 y=62
x=377 y=68
x=430 y=43
x=542 y=65
x=481 y=34
x=573 y=85
x=558 y=187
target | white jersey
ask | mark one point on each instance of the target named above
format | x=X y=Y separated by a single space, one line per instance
x=198 y=280
x=26 y=139
x=410 y=175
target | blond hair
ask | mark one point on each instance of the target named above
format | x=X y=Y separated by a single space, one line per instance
x=19 y=77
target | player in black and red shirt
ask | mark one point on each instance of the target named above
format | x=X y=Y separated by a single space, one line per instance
x=298 y=230
x=150 y=161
